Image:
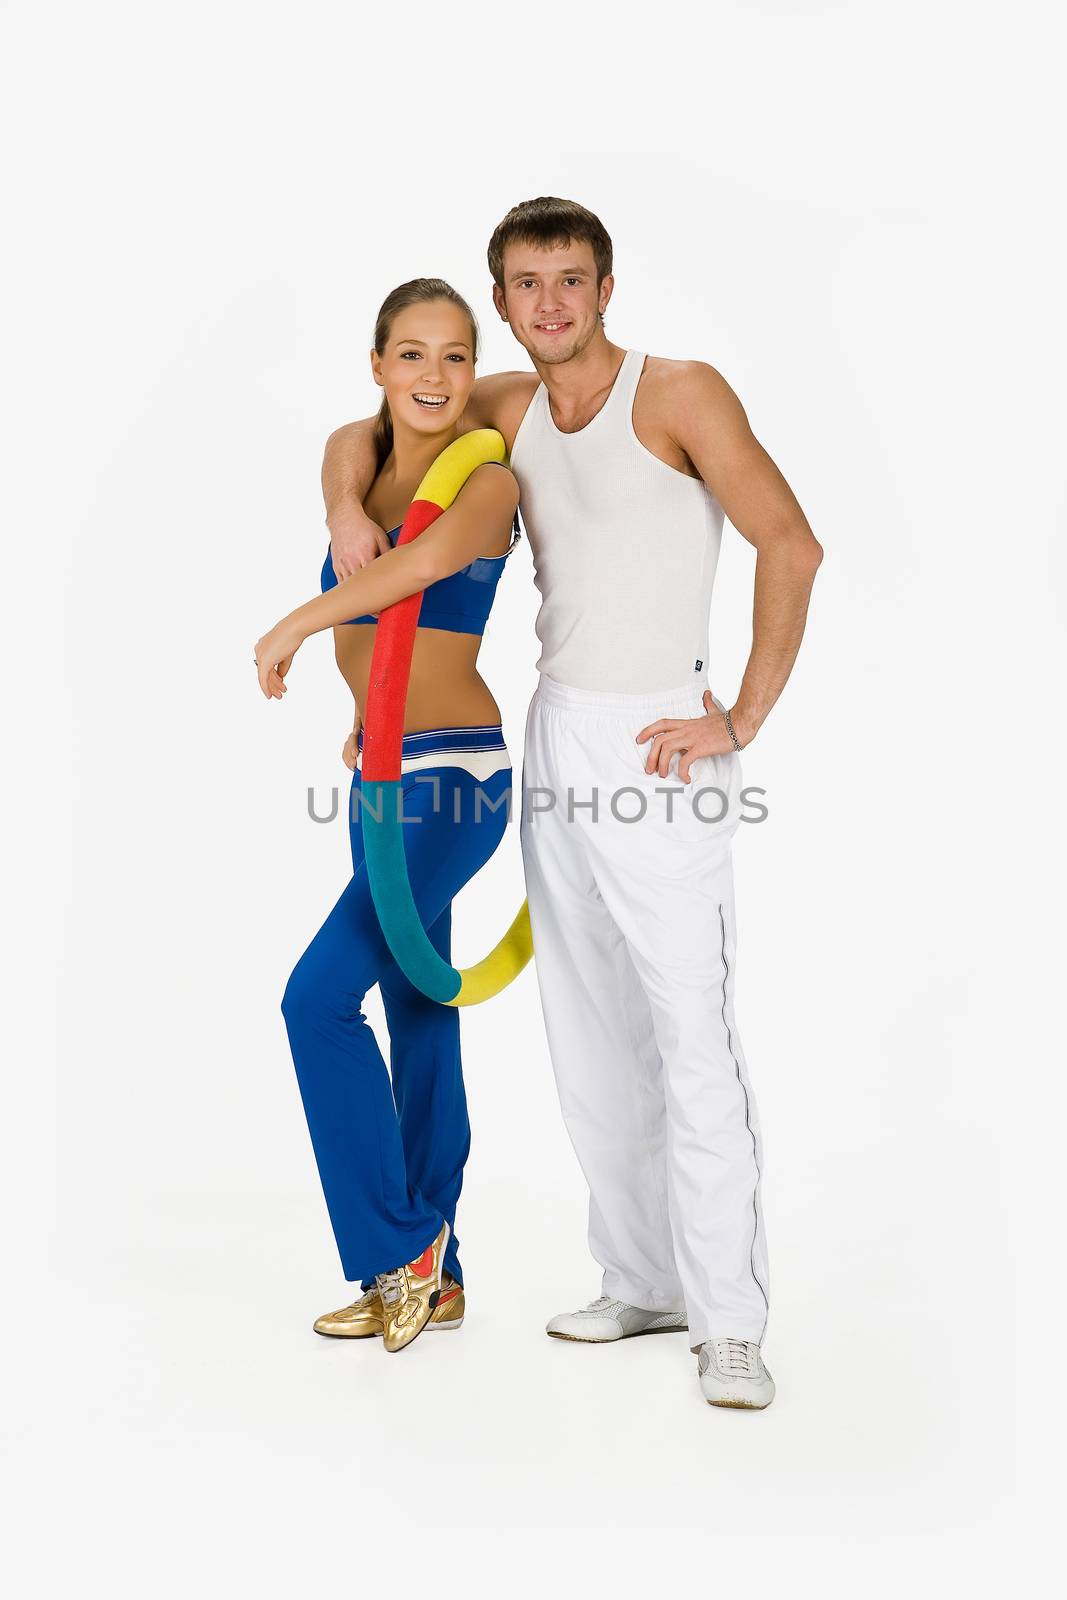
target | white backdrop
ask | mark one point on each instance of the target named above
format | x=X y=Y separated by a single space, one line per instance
x=849 y=210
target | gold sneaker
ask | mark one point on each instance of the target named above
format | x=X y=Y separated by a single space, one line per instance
x=410 y=1294
x=450 y=1309
x=363 y=1319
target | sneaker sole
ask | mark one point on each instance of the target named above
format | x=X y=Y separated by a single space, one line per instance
x=642 y=1333
x=737 y=1405
x=354 y=1338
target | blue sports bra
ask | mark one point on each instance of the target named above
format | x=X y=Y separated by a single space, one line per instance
x=460 y=603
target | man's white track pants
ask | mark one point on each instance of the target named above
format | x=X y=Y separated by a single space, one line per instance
x=634 y=939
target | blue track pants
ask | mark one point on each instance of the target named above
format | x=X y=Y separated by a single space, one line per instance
x=391 y=1153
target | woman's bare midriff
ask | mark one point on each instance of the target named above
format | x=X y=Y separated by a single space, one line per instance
x=445 y=689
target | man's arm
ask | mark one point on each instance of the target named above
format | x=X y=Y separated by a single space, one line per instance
x=499 y=401
x=710 y=425
x=349 y=465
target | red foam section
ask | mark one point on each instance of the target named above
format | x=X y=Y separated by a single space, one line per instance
x=420 y=514
x=390 y=668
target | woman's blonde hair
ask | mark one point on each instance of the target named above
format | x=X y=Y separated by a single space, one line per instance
x=420 y=291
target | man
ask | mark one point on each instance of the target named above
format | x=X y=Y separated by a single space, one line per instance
x=627 y=465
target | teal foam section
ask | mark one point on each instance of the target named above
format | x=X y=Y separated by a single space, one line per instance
x=390 y=887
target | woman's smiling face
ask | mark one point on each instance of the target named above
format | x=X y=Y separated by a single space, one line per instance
x=427 y=366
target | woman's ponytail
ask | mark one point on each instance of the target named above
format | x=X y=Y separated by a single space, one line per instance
x=383 y=433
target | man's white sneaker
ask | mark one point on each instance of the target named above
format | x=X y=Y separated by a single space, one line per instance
x=732 y=1374
x=605 y=1320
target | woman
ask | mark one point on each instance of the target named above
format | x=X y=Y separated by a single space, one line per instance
x=391 y=1156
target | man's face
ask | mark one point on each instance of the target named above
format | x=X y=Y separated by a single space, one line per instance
x=551 y=299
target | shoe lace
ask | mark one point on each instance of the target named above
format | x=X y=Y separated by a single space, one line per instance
x=738 y=1357
x=391 y=1286
x=603 y=1306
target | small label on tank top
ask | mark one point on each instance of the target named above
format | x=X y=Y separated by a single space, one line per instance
x=697 y=666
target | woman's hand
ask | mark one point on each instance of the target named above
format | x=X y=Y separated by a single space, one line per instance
x=351 y=749
x=274 y=654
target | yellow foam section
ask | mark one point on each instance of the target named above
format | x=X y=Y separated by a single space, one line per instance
x=455 y=464
x=500 y=966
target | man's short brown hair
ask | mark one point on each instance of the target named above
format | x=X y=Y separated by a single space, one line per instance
x=548 y=223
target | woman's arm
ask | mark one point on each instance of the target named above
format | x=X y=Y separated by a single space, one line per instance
x=468 y=529
x=350 y=752
x=350 y=464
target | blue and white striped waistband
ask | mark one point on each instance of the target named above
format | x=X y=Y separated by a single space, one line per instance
x=479 y=751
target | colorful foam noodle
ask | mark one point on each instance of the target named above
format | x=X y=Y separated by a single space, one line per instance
x=383 y=732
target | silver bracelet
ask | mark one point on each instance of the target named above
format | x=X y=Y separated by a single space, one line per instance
x=730 y=731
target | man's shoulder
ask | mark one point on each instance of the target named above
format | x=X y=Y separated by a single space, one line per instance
x=506 y=382
x=665 y=376
x=503 y=389
x=500 y=401
x=350 y=430
x=672 y=390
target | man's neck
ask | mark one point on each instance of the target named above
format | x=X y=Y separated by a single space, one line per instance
x=573 y=385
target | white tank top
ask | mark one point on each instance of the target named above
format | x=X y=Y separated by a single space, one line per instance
x=624 y=548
